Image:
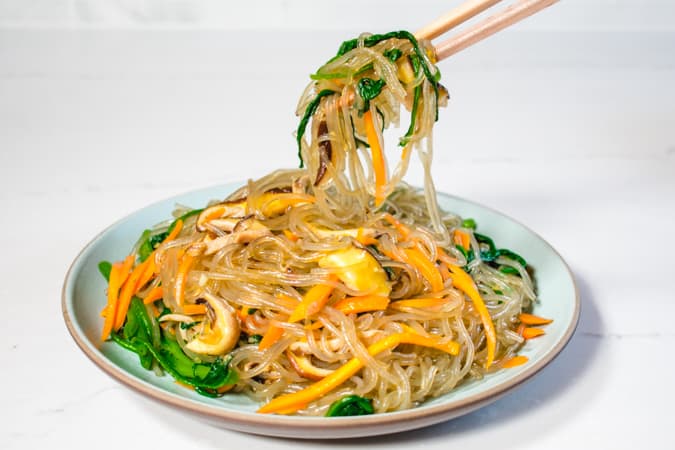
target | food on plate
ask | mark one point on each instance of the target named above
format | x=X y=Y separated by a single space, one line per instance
x=332 y=289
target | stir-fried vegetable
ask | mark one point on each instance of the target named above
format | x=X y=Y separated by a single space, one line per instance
x=351 y=405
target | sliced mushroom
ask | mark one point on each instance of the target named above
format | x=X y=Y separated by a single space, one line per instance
x=228 y=209
x=325 y=152
x=358 y=270
x=305 y=368
x=220 y=331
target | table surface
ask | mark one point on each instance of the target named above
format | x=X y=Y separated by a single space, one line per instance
x=578 y=143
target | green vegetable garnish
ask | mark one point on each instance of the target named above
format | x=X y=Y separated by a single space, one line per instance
x=105 y=267
x=351 y=405
x=469 y=223
x=369 y=89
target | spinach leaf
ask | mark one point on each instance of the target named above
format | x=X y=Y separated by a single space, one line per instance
x=369 y=89
x=351 y=405
x=105 y=267
x=309 y=111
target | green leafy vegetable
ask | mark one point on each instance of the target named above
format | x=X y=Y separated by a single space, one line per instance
x=469 y=223
x=351 y=405
x=508 y=270
x=254 y=339
x=392 y=54
x=369 y=89
x=105 y=267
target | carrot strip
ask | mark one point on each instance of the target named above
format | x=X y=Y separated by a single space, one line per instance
x=426 y=267
x=531 y=332
x=126 y=268
x=271 y=337
x=363 y=239
x=313 y=300
x=531 y=319
x=402 y=229
x=420 y=302
x=515 y=361
x=379 y=165
x=154 y=295
x=289 y=403
x=193 y=310
x=113 y=292
x=128 y=290
x=174 y=233
x=355 y=305
x=291 y=236
x=181 y=277
x=462 y=238
x=464 y=282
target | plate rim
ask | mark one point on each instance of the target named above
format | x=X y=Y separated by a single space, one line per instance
x=284 y=426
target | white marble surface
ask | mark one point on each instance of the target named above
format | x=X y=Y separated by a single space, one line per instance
x=572 y=133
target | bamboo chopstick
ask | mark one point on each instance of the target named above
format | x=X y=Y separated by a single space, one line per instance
x=507 y=17
x=459 y=15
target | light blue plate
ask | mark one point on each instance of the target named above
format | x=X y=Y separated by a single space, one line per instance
x=84 y=297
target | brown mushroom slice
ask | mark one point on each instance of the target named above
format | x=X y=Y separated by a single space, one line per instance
x=304 y=367
x=246 y=231
x=230 y=209
x=325 y=152
x=219 y=333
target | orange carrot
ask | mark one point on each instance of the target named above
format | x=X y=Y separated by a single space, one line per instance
x=402 y=229
x=313 y=300
x=193 y=310
x=515 y=362
x=427 y=268
x=462 y=238
x=363 y=303
x=291 y=236
x=128 y=290
x=379 y=165
x=127 y=264
x=363 y=239
x=463 y=281
x=271 y=337
x=113 y=292
x=420 y=303
x=154 y=295
x=289 y=403
x=530 y=319
x=531 y=332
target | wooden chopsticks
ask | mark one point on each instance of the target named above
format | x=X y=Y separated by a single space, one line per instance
x=476 y=33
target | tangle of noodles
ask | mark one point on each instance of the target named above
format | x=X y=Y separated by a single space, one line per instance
x=356 y=283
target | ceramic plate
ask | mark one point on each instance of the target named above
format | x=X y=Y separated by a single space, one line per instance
x=84 y=297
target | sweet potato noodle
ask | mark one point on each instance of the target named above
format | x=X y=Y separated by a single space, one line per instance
x=335 y=283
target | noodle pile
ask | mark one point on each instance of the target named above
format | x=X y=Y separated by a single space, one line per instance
x=306 y=273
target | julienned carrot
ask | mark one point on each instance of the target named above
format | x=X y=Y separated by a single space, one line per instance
x=515 y=361
x=462 y=238
x=363 y=303
x=154 y=295
x=420 y=303
x=379 y=165
x=289 y=403
x=463 y=281
x=271 y=337
x=113 y=293
x=313 y=300
x=402 y=229
x=132 y=283
x=291 y=236
x=193 y=310
x=531 y=332
x=181 y=277
x=127 y=264
x=427 y=268
x=531 y=319
x=362 y=239
x=128 y=290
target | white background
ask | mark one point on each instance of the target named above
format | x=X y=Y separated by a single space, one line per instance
x=566 y=123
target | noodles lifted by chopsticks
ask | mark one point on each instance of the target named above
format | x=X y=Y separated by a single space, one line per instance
x=334 y=288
